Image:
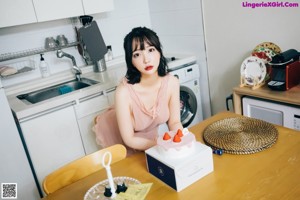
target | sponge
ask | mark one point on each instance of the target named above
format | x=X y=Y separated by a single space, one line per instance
x=65 y=89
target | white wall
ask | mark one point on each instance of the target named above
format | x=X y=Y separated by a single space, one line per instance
x=232 y=31
x=179 y=26
x=113 y=25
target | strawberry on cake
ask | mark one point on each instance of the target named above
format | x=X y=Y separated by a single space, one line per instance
x=176 y=144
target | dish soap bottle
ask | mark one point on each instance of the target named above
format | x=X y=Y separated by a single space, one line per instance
x=44 y=68
x=109 y=55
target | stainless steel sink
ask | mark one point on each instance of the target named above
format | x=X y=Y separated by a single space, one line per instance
x=56 y=90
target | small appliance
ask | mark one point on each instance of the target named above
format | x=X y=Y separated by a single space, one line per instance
x=273 y=112
x=285 y=70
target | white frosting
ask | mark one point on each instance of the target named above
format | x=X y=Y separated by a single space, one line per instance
x=170 y=149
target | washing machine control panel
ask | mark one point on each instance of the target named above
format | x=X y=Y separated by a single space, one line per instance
x=186 y=73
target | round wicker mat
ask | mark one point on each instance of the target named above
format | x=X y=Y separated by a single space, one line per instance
x=240 y=135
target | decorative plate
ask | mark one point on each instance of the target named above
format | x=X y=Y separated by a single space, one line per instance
x=97 y=191
x=268 y=45
x=253 y=70
x=240 y=135
x=265 y=54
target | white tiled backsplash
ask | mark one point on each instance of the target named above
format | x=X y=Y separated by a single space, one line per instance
x=113 y=25
x=178 y=23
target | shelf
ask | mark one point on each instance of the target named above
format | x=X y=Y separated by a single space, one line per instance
x=25 y=53
x=291 y=96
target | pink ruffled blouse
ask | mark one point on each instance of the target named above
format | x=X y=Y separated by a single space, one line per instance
x=145 y=122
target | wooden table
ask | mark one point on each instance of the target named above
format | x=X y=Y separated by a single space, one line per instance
x=271 y=174
x=291 y=96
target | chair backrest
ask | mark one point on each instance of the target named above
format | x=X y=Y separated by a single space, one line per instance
x=81 y=168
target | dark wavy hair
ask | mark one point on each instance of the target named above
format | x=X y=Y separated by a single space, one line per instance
x=142 y=35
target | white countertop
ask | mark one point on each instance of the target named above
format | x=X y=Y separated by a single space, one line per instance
x=107 y=80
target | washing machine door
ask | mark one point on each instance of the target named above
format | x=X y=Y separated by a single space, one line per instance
x=188 y=105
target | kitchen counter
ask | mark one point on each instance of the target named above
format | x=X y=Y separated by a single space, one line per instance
x=291 y=96
x=107 y=80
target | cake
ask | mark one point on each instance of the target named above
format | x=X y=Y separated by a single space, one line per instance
x=176 y=144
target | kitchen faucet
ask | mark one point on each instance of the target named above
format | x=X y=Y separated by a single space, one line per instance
x=76 y=69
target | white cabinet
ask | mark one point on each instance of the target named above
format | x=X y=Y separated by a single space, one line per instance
x=16 y=12
x=87 y=109
x=53 y=139
x=57 y=9
x=97 y=6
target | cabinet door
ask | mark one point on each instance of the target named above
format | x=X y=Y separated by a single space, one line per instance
x=16 y=12
x=57 y=9
x=111 y=96
x=97 y=6
x=86 y=111
x=53 y=140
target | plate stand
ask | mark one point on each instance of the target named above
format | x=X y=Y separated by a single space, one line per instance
x=255 y=83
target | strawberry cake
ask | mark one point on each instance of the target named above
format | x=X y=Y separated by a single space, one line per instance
x=176 y=144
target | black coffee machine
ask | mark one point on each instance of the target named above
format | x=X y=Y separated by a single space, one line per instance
x=285 y=70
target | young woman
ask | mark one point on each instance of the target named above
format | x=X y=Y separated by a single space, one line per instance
x=147 y=97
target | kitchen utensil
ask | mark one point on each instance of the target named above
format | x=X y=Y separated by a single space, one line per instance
x=100 y=66
x=93 y=41
x=79 y=46
x=50 y=43
x=81 y=49
x=62 y=40
x=85 y=19
x=106 y=165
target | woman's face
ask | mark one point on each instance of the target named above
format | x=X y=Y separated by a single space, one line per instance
x=146 y=60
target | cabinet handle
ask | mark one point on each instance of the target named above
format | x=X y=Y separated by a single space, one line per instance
x=111 y=90
x=230 y=97
x=97 y=94
x=47 y=111
x=90 y=97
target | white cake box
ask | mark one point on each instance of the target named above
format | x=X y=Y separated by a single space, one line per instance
x=179 y=173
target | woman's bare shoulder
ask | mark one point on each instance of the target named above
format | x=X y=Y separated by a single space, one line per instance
x=122 y=91
x=173 y=81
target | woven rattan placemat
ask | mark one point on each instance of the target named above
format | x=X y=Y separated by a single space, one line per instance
x=240 y=135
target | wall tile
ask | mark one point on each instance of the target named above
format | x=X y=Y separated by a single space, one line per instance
x=113 y=25
x=168 y=5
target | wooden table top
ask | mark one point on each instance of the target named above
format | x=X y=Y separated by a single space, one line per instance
x=270 y=174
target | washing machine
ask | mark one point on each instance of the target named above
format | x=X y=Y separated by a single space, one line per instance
x=187 y=71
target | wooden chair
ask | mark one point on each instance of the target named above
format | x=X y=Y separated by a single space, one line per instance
x=81 y=168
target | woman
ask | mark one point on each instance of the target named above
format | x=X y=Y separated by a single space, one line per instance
x=148 y=96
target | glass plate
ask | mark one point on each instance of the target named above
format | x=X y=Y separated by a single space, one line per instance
x=253 y=70
x=97 y=191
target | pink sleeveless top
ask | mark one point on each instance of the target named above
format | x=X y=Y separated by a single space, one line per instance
x=145 y=122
